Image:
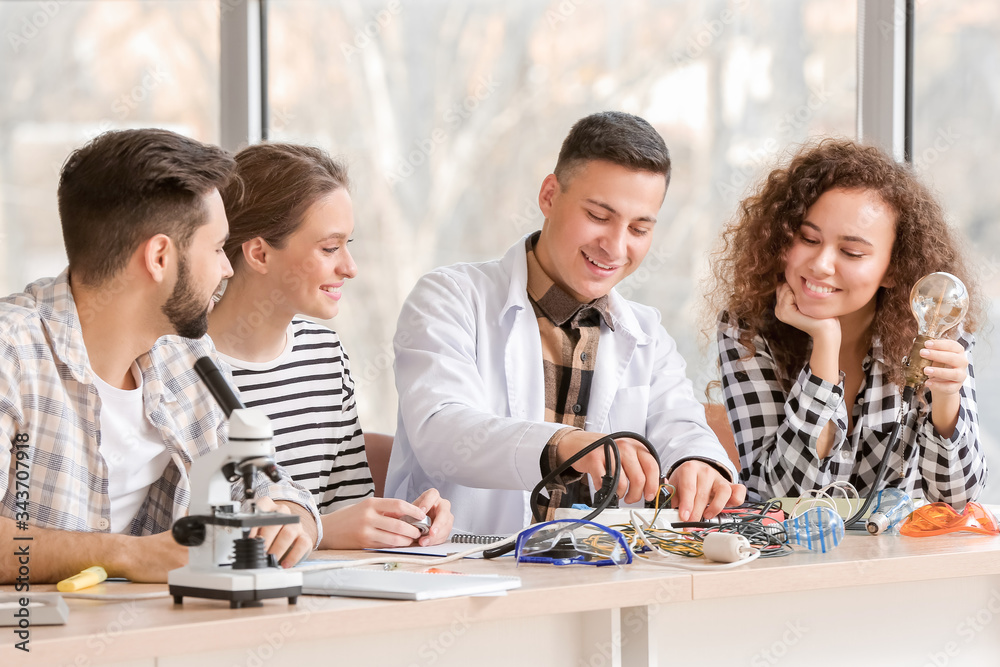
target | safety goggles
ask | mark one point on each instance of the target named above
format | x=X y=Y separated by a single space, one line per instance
x=941 y=518
x=572 y=542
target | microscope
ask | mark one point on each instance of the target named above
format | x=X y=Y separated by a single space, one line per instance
x=224 y=562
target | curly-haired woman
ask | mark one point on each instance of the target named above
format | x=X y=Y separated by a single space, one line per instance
x=813 y=284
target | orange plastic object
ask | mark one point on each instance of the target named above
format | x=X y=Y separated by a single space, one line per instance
x=941 y=518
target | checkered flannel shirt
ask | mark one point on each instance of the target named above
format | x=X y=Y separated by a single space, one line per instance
x=776 y=432
x=570 y=332
x=48 y=399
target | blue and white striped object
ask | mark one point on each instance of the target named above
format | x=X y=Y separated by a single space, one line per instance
x=817 y=529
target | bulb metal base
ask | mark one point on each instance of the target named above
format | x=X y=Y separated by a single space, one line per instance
x=914 y=365
x=877 y=523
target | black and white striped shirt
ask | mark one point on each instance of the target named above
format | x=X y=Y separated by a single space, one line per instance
x=308 y=393
x=776 y=432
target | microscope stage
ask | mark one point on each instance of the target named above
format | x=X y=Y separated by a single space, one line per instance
x=240 y=587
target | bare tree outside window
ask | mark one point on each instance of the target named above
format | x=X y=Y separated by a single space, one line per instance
x=956 y=147
x=452 y=113
x=71 y=70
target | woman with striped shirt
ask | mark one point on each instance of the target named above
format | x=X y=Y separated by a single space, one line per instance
x=290 y=220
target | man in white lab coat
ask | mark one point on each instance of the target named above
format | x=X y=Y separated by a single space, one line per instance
x=507 y=368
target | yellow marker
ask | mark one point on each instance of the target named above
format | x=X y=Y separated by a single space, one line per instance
x=89 y=577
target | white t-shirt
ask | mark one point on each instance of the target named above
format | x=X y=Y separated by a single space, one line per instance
x=308 y=393
x=132 y=449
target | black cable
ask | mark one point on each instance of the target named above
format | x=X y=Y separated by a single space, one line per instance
x=609 y=482
x=883 y=465
x=770 y=539
x=609 y=486
x=609 y=477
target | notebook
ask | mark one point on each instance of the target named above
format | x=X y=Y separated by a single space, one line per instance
x=458 y=543
x=400 y=585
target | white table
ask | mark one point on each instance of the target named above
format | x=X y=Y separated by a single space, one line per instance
x=873 y=600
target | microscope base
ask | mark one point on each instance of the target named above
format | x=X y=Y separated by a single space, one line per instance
x=236 y=599
x=243 y=588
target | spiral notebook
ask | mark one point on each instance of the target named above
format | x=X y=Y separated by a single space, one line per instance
x=467 y=538
x=459 y=542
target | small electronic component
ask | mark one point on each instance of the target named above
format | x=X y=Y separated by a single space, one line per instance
x=423 y=525
x=726 y=547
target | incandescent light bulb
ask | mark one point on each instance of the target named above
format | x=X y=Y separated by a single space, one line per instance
x=894 y=505
x=939 y=301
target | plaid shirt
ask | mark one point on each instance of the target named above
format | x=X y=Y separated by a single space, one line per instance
x=570 y=332
x=48 y=401
x=776 y=433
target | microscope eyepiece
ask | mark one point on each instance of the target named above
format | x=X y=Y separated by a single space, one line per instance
x=217 y=385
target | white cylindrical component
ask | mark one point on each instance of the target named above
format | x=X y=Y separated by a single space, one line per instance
x=726 y=547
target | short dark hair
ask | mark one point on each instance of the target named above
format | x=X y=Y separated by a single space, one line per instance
x=276 y=186
x=616 y=137
x=126 y=186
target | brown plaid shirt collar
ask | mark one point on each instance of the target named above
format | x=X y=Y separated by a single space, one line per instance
x=570 y=333
x=553 y=300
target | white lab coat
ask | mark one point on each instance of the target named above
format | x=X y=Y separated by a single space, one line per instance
x=472 y=392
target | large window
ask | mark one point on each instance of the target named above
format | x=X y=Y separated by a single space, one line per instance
x=71 y=70
x=452 y=113
x=956 y=147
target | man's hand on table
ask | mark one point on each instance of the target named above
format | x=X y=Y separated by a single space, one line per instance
x=639 y=478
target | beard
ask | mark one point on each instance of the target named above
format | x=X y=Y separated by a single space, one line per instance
x=188 y=314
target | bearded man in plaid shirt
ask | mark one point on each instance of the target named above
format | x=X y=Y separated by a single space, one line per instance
x=101 y=413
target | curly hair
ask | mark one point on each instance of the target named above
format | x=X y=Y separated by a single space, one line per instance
x=749 y=265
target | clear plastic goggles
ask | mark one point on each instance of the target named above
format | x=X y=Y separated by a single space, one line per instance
x=572 y=542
